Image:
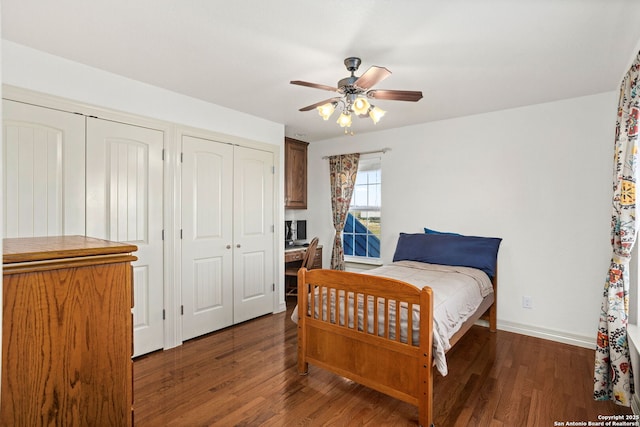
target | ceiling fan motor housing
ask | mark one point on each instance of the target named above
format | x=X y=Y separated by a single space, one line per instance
x=352 y=63
x=346 y=85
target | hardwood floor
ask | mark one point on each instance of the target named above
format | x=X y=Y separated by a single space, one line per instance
x=246 y=376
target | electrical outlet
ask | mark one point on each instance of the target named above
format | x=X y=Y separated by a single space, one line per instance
x=527 y=302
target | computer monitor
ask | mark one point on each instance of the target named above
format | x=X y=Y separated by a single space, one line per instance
x=301 y=230
x=295 y=232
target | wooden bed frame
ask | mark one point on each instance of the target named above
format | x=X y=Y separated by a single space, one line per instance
x=398 y=369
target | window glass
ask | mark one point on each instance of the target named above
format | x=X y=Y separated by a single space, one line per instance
x=361 y=234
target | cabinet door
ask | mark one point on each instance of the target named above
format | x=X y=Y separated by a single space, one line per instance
x=295 y=163
x=253 y=234
x=207 y=236
x=124 y=204
x=43 y=162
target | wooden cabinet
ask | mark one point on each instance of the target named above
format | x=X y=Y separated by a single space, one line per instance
x=67 y=336
x=295 y=176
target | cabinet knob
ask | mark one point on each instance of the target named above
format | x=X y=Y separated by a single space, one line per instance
x=228 y=246
x=238 y=245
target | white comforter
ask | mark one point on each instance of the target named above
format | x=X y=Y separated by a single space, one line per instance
x=457 y=293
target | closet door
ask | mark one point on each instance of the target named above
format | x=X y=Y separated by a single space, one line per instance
x=43 y=163
x=207 y=236
x=253 y=233
x=125 y=204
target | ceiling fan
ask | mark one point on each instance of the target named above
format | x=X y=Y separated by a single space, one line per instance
x=355 y=92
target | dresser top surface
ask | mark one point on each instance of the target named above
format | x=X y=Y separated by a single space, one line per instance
x=27 y=249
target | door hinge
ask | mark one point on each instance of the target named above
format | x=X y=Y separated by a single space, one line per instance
x=162 y=234
x=273 y=228
x=181 y=233
x=273 y=287
x=163 y=154
x=164 y=314
x=181 y=157
x=182 y=310
x=273 y=170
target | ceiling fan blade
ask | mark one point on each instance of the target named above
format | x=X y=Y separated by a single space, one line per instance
x=371 y=77
x=314 y=85
x=317 y=104
x=396 y=95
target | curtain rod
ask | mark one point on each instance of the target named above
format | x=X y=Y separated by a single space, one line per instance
x=384 y=150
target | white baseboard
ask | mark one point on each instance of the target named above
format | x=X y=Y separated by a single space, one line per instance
x=549 y=334
x=281 y=307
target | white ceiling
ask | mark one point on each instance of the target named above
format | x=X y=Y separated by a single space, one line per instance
x=467 y=57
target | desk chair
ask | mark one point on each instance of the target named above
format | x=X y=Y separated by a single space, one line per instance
x=291 y=273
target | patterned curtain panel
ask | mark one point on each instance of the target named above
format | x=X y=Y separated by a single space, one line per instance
x=613 y=377
x=343 y=170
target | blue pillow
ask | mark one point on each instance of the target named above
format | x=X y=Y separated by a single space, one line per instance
x=430 y=231
x=448 y=249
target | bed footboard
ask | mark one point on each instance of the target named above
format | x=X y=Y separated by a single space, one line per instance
x=350 y=324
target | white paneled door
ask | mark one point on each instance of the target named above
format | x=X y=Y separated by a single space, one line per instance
x=253 y=233
x=207 y=236
x=227 y=235
x=124 y=203
x=43 y=164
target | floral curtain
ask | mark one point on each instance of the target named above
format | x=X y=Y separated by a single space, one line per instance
x=343 y=170
x=613 y=377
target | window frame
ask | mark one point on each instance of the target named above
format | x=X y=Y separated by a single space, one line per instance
x=374 y=159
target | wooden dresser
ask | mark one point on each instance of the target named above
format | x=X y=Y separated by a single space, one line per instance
x=67 y=337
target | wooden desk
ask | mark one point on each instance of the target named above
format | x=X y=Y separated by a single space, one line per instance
x=292 y=257
x=296 y=253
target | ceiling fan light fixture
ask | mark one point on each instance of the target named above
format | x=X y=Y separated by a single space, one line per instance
x=376 y=114
x=326 y=110
x=360 y=106
x=354 y=93
x=344 y=120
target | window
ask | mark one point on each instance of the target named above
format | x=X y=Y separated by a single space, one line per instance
x=361 y=234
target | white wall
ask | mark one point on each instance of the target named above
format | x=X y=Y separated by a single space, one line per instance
x=35 y=70
x=538 y=177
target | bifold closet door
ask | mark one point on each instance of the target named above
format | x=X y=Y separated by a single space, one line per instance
x=125 y=204
x=253 y=234
x=207 y=236
x=43 y=162
x=227 y=235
